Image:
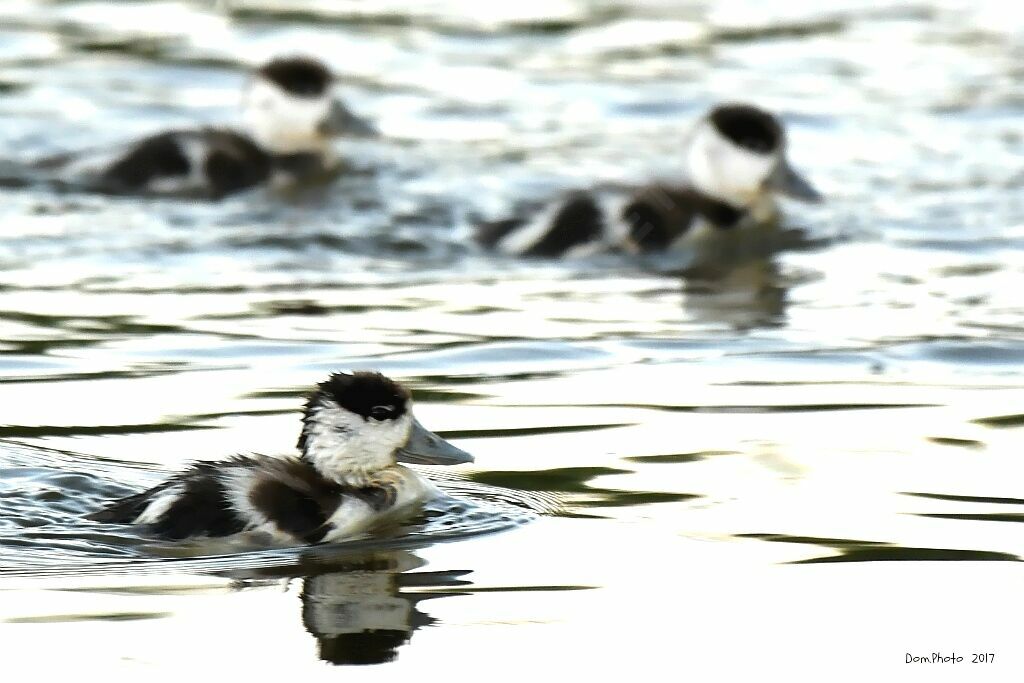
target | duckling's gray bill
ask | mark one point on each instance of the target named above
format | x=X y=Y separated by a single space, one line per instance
x=426 y=448
x=786 y=180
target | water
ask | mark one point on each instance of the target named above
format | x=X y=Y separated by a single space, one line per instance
x=712 y=477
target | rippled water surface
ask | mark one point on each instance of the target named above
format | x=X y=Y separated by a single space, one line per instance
x=754 y=469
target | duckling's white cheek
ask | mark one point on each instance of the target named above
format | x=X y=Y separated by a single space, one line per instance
x=331 y=437
x=721 y=169
x=301 y=114
x=282 y=122
x=701 y=160
x=346 y=446
x=378 y=441
x=744 y=173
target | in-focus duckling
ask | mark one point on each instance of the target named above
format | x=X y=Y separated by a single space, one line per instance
x=346 y=479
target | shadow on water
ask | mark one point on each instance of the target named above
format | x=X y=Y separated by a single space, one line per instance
x=850 y=550
x=674 y=458
x=575 y=481
x=853 y=550
x=38 y=431
x=1002 y=421
x=968 y=499
x=107 y=616
x=974 y=516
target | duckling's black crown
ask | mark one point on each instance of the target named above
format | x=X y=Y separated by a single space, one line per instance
x=749 y=127
x=301 y=76
x=361 y=392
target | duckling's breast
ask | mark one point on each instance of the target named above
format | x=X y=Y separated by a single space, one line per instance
x=393 y=495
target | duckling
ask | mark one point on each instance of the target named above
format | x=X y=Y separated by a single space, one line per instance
x=346 y=480
x=290 y=115
x=735 y=163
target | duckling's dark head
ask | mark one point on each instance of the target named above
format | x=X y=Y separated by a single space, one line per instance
x=737 y=153
x=301 y=76
x=367 y=394
x=356 y=424
x=290 y=107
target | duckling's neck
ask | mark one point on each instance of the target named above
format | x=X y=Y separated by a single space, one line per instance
x=720 y=211
x=343 y=454
x=351 y=476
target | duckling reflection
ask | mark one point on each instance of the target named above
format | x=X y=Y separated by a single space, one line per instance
x=359 y=614
x=745 y=296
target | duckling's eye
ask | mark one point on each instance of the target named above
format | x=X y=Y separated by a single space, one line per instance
x=382 y=412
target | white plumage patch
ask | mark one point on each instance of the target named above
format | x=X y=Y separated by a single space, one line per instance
x=348 y=448
x=238 y=486
x=195 y=150
x=525 y=237
x=159 y=505
x=355 y=517
x=283 y=123
x=722 y=169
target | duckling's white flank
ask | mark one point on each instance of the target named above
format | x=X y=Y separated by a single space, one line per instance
x=346 y=480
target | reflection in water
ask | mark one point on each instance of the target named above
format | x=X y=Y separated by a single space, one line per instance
x=744 y=296
x=359 y=613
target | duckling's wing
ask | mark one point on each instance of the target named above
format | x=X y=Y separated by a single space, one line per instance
x=556 y=230
x=233 y=163
x=656 y=216
x=208 y=163
x=293 y=509
x=150 y=160
x=193 y=503
x=127 y=510
x=196 y=504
